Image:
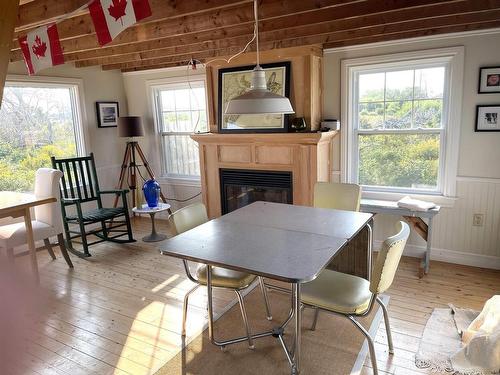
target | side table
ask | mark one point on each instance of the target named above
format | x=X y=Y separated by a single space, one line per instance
x=145 y=209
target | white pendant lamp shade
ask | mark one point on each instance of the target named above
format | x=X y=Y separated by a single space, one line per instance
x=258 y=100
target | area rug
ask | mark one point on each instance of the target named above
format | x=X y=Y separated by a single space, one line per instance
x=336 y=347
x=441 y=339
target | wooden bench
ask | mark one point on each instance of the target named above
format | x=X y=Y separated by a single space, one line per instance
x=414 y=218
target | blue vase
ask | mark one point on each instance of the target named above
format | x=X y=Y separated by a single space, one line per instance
x=151 y=191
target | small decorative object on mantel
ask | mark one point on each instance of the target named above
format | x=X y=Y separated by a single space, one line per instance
x=151 y=190
x=489 y=80
x=330 y=124
x=235 y=81
x=488 y=118
x=298 y=124
x=107 y=114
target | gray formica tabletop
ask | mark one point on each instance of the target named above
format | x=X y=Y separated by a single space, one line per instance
x=283 y=242
x=328 y=222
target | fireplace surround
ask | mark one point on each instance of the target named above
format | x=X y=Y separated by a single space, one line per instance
x=306 y=157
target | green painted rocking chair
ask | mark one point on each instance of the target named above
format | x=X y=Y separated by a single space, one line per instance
x=79 y=187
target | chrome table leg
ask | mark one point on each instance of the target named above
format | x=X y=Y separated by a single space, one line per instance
x=298 y=324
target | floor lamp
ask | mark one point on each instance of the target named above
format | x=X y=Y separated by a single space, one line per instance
x=131 y=127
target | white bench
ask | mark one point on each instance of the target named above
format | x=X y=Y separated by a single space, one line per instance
x=414 y=218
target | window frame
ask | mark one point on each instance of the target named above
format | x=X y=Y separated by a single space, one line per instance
x=453 y=59
x=77 y=100
x=154 y=86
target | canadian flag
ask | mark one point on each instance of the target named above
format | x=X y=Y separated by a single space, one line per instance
x=41 y=48
x=111 y=17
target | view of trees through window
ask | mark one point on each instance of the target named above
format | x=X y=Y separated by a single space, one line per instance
x=399 y=125
x=35 y=124
x=181 y=111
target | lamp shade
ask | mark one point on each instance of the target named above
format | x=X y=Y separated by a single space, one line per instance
x=130 y=126
x=258 y=100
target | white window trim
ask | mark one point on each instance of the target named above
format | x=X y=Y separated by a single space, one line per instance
x=79 y=112
x=151 y=85
x=454 y=56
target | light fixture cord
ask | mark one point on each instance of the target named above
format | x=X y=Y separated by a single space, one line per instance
x=256 y=15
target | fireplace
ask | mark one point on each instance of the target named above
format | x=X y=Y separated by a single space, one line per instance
x=240 y=187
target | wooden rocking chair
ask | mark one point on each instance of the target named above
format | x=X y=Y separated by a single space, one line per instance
x=79 y=186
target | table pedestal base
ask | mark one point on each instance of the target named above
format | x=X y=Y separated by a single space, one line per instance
x=154 y=236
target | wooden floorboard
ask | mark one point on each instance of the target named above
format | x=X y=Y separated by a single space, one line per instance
x=119 y=312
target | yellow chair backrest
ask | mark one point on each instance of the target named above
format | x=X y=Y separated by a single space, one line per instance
x=388 y=259
x=337 y=196
x=189 y=217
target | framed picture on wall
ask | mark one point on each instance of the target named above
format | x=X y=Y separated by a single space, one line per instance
x=488 y=118
x=236 y=81
x=489 y=80
x=107 y=114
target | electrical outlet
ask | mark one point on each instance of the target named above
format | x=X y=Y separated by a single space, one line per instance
x=478 y=220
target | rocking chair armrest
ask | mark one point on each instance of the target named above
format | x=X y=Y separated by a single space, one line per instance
x=68 y=201
x=122 y=192
x=114 y=191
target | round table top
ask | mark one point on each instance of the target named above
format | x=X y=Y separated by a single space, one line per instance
x=145 y=209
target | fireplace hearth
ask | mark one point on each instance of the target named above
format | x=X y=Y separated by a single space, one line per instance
x=240 y=187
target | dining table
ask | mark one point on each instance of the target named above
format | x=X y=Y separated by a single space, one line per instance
x=283 y=242
x=16 y=204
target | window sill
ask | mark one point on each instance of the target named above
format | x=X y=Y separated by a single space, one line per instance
x=180 y=181
x=441 y=200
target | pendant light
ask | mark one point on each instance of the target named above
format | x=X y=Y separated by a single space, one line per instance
x=258 y=100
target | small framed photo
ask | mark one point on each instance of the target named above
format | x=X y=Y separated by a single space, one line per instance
x=488 y=118
x=489 y=80
x=107 y=114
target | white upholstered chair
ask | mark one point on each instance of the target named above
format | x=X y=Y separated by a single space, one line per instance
x=352 y=296
x=47 y=219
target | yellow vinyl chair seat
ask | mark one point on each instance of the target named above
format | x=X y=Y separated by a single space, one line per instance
x=224 y=278
x=338 y=292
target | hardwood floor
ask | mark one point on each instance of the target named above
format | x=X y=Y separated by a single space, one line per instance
x=119 y=312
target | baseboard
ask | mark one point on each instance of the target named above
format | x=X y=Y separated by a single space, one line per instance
x=450 y=256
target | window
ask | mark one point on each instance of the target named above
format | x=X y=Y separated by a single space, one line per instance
x=180 y=111
x=399 y=125
x=37 y=121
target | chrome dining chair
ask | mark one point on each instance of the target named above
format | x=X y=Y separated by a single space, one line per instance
x=192 y=216
x=353 y=296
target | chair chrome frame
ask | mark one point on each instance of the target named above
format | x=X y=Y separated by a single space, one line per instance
x=249 y=336
x=358 y=325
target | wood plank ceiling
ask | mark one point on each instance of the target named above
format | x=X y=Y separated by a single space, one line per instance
x=180 y=30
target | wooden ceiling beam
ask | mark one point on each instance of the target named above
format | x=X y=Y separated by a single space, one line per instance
x=362 y=40
x=36 y=13
x=413 y=34
x=176 y=13
x=44 y=12
x=456 y=8
x=238 y=15
x=286 y=40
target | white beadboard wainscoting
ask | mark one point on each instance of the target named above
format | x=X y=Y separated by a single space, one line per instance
x=455 y=239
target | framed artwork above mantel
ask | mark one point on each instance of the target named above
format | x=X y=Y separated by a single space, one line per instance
x=235 y=81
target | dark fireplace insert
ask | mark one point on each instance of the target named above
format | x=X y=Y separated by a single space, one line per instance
x=240 y=187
